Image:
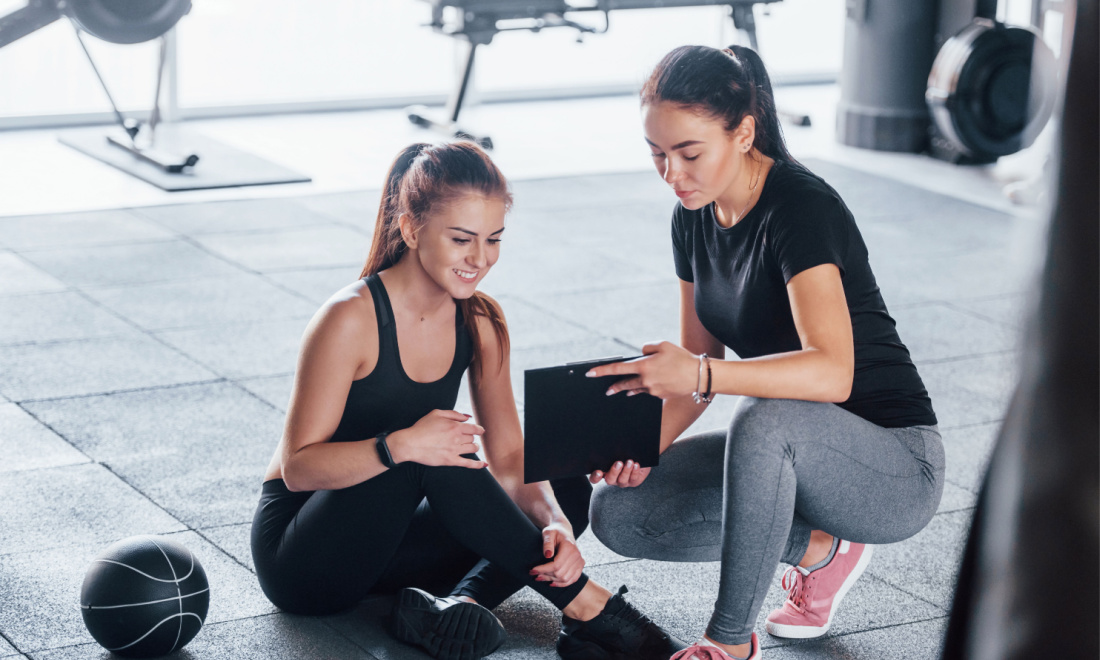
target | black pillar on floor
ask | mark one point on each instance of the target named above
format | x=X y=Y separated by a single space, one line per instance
x=888 y=51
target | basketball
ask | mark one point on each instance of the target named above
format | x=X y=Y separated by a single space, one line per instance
x=144 y=596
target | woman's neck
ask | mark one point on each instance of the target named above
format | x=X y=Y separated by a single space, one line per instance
x=742 y=194
x=417 y=293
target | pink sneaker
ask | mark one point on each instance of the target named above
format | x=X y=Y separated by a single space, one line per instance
x=812 y=598
x=707 y=652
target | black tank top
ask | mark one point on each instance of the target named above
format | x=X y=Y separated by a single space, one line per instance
x=386 y=399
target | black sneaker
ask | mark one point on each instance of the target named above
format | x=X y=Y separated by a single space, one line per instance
x=448 y=628
x=619 y=632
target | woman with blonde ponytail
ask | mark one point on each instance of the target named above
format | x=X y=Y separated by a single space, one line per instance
x=376 y=485
x=834 y=445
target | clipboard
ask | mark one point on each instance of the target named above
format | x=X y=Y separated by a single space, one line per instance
x=572 y=428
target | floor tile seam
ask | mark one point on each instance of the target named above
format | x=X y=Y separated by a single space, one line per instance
x=92 y=246
x=59 y=434
x=961 y=508
x=599 y=289
x=229 y=326
x=64 y=340
x=83 y=546
x=11 y=644
x=905 y=591
x=554 y=315
x=969 y=312
x=245 y=269
x=136 y=284
x=221 y=525
x=257 y=397
x=613 y=563
x=93 y=643
x=974 y=491
x=853 y=632
x=970 y=356
x=68 y=288
x=151 y=388
x=225 y=552
x=358 y=264
x=155 y=337
x=323 y=621
x=281 y=374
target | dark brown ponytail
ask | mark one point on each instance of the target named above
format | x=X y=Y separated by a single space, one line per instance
x=424 y=177
x=725 y=84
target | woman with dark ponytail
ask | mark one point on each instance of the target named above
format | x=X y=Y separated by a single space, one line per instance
x=376 y=485
x=834 y=444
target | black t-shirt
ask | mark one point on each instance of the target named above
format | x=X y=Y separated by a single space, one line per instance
x=741 y=272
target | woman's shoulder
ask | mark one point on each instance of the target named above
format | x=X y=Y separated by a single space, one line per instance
x=795 y=185
x=346 y=318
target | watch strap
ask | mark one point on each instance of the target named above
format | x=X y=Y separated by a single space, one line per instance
x=384 y=454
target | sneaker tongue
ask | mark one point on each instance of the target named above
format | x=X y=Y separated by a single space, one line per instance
x=616 y=604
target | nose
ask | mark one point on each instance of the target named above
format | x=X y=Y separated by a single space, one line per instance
x=672 y=174
x=476 y=257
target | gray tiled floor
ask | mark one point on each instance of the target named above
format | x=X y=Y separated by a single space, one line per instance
x=147 y=356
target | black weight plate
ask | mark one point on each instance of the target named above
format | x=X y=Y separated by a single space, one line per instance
x=1004 y=91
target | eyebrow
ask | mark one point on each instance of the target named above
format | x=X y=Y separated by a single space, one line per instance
x=474 y=233
x=681 y=145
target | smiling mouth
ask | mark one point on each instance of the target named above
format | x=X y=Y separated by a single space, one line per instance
x=466 y=275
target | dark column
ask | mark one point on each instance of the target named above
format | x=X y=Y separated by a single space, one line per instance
x=889 y=46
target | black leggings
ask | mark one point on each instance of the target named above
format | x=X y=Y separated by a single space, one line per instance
x=323 y=551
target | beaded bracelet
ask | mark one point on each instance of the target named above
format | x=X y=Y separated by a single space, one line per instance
x=706 y=397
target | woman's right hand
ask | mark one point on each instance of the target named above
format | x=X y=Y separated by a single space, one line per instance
x=439 y=438
x=623 y=475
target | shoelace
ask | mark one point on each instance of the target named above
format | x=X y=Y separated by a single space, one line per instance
x=700 y=652
x=795 y=587
x=631 y=616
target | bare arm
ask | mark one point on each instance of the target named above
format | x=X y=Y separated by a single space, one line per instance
x=680 y=412
x=339 y=341
x=495 y=406
x=821 y=370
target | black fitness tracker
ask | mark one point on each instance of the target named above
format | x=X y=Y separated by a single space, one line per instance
x=384 y=451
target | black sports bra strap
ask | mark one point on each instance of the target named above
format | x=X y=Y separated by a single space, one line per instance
x=387 y=331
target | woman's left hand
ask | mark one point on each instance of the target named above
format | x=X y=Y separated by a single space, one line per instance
x=558 y=542
x=665 y=371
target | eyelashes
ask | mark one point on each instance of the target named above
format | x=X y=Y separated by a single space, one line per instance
x=688 y=158
x=464 y=241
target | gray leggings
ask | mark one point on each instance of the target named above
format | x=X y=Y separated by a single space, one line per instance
x=751 y=496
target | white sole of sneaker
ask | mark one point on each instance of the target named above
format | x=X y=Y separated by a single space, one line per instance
x=809 y=632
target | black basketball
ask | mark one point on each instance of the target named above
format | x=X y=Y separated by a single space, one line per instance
x=144 y=596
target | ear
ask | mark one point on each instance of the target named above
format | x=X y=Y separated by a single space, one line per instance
x=745 y=134
x=408 y=230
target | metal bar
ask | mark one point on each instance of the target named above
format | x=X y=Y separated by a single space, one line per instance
x=103 y=83
x=171 y=71
x=154 y=114
x=21 y=22
x=454 y=105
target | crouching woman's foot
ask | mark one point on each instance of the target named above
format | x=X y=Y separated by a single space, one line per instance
x=447 y=628
x=619 y=632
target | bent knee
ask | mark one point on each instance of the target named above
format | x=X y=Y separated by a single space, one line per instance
x=758 y=421
x=614 y=515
